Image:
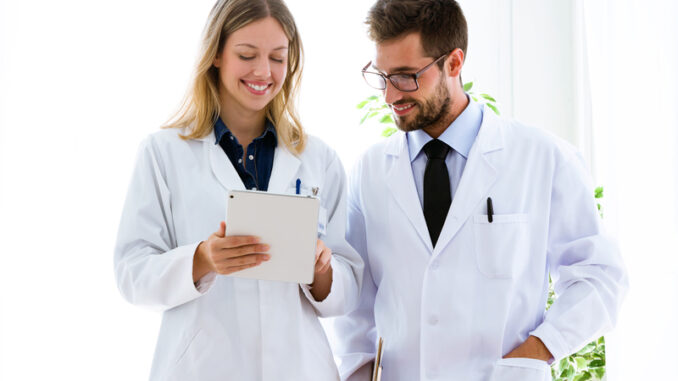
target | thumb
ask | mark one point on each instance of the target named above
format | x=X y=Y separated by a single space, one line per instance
x=221 y=233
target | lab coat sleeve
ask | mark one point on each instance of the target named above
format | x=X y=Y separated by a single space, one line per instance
x=347 y=267
x=150 y=269
x=356 y=332
x=585 y=265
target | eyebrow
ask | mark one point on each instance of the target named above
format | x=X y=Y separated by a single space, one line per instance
x=398 y=69
x=254 y=47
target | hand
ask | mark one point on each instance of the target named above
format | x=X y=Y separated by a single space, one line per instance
x=322 y=279
x=323 y=255
x=532 y=348
x=225 y=255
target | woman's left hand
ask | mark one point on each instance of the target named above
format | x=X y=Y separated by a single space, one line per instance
x=323 y=255
x=322 y=279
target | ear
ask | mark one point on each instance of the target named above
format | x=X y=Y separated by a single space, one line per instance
x=454 y=62
x=217 y=60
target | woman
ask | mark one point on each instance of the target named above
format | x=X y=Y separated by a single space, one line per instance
x=237 y=129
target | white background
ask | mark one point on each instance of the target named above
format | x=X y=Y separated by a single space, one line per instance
x=82 y=82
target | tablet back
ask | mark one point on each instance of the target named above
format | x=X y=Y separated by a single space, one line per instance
x=288 y=223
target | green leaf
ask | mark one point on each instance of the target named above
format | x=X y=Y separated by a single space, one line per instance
x=488 y=97
x=474 y=98
x=599 y=192
x=493 y=107
x=596 y=363
x=583 y=376
x=388 y=131
x=372 y=98
x=388 y=119
x=599 y=372
x=362 y=104
x=468 y=86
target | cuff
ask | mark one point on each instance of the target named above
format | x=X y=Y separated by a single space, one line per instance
x=203 y=284
x=553 y=341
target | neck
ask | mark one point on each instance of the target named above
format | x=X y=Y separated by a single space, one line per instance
x=246 y=125
x=457 y=105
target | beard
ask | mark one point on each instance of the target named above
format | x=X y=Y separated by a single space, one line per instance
x=432 y=111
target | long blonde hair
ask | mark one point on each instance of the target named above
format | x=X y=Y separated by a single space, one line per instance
x=202 y=106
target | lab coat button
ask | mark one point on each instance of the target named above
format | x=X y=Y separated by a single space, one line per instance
x=251 y=157
x=434 y=265
x=433 y=320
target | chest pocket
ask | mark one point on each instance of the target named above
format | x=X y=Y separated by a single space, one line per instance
x=502 y=245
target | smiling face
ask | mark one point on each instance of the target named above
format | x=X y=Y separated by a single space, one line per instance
x=429 y=106
x=252 y=66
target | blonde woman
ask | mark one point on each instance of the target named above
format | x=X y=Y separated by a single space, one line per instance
x=237 y=129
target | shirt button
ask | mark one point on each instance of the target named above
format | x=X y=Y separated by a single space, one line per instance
x=433 y=320
x=231 y=137
x=251 y=157
x=434 y=265
x=239 y=160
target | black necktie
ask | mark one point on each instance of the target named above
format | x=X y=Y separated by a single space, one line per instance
x=437 y=195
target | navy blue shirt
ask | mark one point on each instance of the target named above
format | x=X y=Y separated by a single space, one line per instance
x=255 y=172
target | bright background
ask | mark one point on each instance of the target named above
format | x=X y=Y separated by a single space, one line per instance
x=82 y=82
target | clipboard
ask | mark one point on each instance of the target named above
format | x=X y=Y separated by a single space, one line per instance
x=288 y=223
x=376 y=371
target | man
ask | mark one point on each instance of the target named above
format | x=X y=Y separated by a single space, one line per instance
x=461 y=218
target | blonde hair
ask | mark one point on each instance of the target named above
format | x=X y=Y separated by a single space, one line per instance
x=202 y=106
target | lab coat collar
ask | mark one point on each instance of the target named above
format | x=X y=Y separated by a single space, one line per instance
x=285 y=167
x=479 y=175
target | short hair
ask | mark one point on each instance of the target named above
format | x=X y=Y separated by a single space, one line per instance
x=441 y=24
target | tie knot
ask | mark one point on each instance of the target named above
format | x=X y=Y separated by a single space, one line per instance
x=436 y=149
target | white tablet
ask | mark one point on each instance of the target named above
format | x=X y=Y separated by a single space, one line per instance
x=288 y=223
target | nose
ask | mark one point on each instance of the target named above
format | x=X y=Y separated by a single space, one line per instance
x=391 y=94
x=262 y=68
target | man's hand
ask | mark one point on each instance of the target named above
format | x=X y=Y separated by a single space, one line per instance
x=532 y=348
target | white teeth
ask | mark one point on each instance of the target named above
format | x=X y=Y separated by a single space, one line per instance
x=257 y=88
x=403 y=108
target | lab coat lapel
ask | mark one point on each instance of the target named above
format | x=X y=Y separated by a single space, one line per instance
x=221 y=165
x=285 y=167
x=401 y=184
x=479 y=175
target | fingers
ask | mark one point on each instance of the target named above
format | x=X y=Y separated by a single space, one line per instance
x=231 y=265
x=221 y=233
x=323 y=260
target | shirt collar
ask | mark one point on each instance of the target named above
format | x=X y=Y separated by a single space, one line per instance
x=459 y=135
x=220 y=129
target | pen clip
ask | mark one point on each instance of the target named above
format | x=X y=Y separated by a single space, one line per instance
x=298 y=186
x=490 y=210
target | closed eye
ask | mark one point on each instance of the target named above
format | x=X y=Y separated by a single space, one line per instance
x=246 y=58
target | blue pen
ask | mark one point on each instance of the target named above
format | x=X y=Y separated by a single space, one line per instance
x=298 y=186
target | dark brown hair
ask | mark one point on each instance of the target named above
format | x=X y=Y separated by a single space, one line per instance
x=441 y=24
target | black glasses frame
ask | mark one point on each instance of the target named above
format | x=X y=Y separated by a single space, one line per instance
x=413 y=76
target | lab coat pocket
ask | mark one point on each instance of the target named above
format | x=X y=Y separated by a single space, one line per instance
x=500 y=243
x=184 y=348
x=521 y=369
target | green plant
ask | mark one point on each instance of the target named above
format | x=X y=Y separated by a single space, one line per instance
x=589 y=362
x=375 y=108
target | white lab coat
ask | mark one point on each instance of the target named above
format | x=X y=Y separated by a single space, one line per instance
x=451 y=312
x=236 y=329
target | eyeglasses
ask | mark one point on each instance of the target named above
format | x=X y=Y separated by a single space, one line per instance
x=401 y=81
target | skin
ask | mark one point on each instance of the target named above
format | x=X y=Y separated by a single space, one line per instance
x=255 y=55
x=406 y=55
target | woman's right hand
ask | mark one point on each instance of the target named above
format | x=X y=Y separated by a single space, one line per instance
x=225 y=255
